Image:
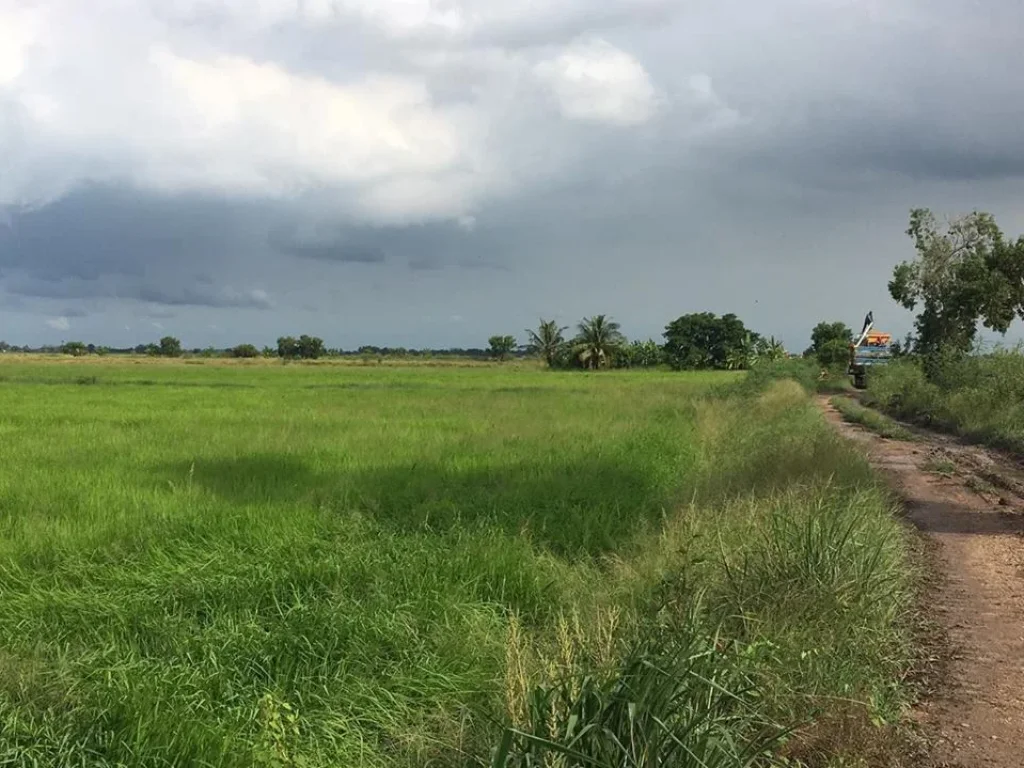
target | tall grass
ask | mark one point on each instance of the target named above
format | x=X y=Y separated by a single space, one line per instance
x=342 y=566
x=980 y=397
x=877 y=422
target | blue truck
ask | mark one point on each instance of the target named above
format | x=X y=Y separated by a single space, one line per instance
x=871 y=348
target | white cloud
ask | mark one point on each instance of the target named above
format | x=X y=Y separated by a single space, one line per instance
x=59 y=323
x=16 y=35
x=595 y=81
x=207 y=96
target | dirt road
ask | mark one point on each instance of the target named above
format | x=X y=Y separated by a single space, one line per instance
x=970 y=502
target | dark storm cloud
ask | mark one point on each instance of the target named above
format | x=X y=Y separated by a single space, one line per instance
x=326 y=246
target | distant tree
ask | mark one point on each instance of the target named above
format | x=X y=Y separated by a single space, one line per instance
x=170 y=347
x=245 y=350
x=151 y=349
x=91 y=349
x=269 y=352
x=825 y=332
x=598 y=340
x=547 y=341
x=704 y=340
x=502 y=347
x=4 y=346
x=965 y=272
x=833 y=352
x=640 y=354
x=74 y=348
x=770 y=350
x=287 y=348
x=311 y=347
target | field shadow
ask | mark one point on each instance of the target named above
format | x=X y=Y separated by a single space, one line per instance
x=587 y=505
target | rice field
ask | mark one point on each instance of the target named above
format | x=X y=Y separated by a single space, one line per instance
x=316 y=565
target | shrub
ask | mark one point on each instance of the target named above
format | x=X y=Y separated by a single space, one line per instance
x=245 y=350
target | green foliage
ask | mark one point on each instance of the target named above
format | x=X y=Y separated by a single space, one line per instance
x=676 y=698
x=980 y=397
x=245 y=350
x=703 y=340
x=74 y=348
x=965 y=272
x=169 y=347
x=830 y=343
x=304 y=348
x=502 y=347
x=598 y=340
x=833 y=353
x=639 y=354
x=769 y=350
x=547 y=342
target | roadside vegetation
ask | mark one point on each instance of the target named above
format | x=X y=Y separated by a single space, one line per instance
x=966 y=275
x=979 y=396
x=879 y=423
x=493 y=566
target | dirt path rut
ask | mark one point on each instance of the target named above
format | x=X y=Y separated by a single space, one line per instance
x=970 y=502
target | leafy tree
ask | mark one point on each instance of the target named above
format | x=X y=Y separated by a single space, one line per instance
x=641 y=354
x=501 y=347
x=287 y=348
x=269 y=352
x=4 y=346
x=965 y=272
x=311 y=347
x=598 y=340
x=245 y=350
x=547 y=341
x=770 y=350
x=824 y=332
x=703 y=340
x=833 y=352
x=170 y=347
x=74 y=348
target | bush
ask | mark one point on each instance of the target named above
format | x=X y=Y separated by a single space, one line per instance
x=245 y=350
x=977 y=396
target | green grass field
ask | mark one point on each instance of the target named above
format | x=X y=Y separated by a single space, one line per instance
x=236 y=565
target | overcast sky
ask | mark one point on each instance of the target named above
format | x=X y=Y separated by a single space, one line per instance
x=431 y=172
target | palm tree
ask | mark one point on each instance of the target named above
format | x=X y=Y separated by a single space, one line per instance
x=597 y=339
x=771 y=350
x=546 y=341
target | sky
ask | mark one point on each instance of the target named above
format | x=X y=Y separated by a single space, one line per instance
x=432 y=172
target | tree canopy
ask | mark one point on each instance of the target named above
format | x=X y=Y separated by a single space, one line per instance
x=547 y=341
x=830 y=342
x=305 y=347
x=704 y=340
x=502 y=347
x=169 y=347
x=965 y=272
x=598 y=338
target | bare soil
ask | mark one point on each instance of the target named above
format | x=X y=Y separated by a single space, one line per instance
x=969 y=501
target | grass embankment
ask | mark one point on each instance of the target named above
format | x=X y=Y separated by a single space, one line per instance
x=306 y=566
x=980 y=397
x=869 y=418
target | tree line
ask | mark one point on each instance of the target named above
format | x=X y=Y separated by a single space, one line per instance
x=698 y=341
x=966 y=274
